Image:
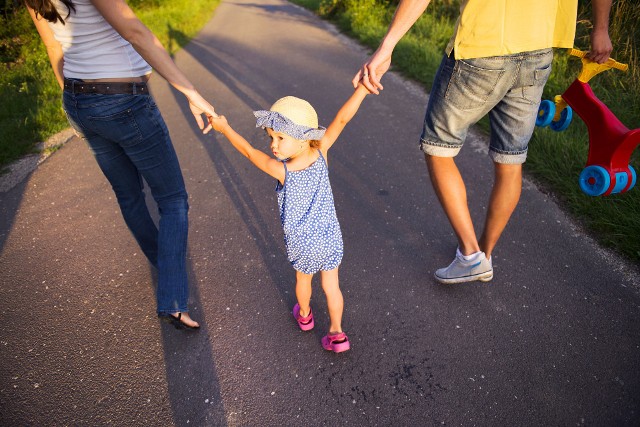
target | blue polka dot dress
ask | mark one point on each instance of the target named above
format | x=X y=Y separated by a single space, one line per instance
x=312 y=233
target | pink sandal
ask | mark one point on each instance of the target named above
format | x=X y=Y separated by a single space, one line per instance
x=337 y=343
x=305 y=323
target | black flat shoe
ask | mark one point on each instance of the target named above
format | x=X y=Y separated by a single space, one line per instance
x=177 y=322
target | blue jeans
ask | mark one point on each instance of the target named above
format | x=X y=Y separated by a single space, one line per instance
x=507 y=87
x=130 y=141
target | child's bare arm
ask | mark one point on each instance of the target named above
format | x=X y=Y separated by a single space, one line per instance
x=345 y=114
x=265 y=163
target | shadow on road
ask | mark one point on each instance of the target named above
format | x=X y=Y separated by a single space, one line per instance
x=256 y=87
x=194 y=386
x=235 y=184
x=10 y=203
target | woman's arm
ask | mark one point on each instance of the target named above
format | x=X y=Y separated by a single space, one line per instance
x=54 y=50
x=262 y=161
x=344 y=116
x=120 y=16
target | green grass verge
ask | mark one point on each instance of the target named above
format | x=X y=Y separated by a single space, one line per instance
x=30 y=100
x=555 y=160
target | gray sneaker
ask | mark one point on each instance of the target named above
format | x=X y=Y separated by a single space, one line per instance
x=460 y=270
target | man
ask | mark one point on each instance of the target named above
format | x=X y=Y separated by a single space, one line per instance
x=497 y=62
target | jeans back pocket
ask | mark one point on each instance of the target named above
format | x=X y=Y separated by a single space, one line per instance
x=115 y=118
x=471 y=84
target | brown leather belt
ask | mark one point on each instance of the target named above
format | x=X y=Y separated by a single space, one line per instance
x=106 y=88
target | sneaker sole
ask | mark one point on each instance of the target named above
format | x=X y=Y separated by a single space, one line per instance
x=483 y=277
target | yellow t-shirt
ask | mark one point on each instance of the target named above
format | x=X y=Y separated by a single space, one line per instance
x=503 y=27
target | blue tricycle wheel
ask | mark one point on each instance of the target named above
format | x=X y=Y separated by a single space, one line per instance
x=565 y=120
x=634 y=177
x=546 y=111
x=622 y=180
x=594 y=180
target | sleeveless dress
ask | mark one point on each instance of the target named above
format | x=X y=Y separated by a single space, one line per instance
x=312 y=233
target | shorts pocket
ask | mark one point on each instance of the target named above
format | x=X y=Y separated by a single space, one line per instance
x=471 y=84
x=533 y=91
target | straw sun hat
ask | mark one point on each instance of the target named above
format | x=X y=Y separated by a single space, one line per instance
x=293 y=116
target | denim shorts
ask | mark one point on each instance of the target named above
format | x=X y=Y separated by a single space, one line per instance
x=508 y=88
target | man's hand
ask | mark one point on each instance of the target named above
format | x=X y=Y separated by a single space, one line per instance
x=372 y=71
x=601 y=46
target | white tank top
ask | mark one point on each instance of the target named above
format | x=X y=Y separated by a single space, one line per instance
x=92 y=48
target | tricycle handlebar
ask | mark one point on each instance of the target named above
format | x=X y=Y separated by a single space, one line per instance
x=591 y=68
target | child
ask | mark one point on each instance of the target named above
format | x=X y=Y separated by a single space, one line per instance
x=311 y=230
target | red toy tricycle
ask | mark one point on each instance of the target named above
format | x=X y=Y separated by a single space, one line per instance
x=610 y=143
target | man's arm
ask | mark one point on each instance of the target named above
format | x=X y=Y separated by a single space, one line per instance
x=601 y=46
x=344 y=116
x=371 y=72
x=54 y=50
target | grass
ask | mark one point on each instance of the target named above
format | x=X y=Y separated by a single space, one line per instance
x=30 y=101
x=555 y=160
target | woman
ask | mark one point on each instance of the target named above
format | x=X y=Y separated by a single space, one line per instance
x=102 y=56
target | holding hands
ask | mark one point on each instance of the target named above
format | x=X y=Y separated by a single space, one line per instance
x=372 y=71
x=200 y=106
x=218 y=123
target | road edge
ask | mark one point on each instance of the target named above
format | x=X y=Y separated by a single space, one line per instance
x=18 y=170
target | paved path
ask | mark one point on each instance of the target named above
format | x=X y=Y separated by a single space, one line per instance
x=554 y=339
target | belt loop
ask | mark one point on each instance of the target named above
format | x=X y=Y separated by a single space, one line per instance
x=134 y=88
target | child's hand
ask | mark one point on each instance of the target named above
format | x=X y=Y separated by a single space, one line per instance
x=362 y=86
x=219 y=123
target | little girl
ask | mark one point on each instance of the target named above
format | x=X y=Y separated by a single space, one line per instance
x=311 y=230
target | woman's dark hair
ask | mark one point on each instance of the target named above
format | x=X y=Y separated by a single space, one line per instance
x=48 y=11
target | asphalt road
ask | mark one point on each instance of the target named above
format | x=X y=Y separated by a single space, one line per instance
x=554 y=339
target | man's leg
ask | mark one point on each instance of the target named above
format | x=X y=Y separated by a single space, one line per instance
x=454 y=106
x=512 y=124
x=452 y=193
x=504 y=199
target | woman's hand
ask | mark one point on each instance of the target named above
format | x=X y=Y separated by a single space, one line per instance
x=200 y=106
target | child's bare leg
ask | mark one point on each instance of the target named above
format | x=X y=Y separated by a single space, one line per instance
x=303 y=292
x=335 y=302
